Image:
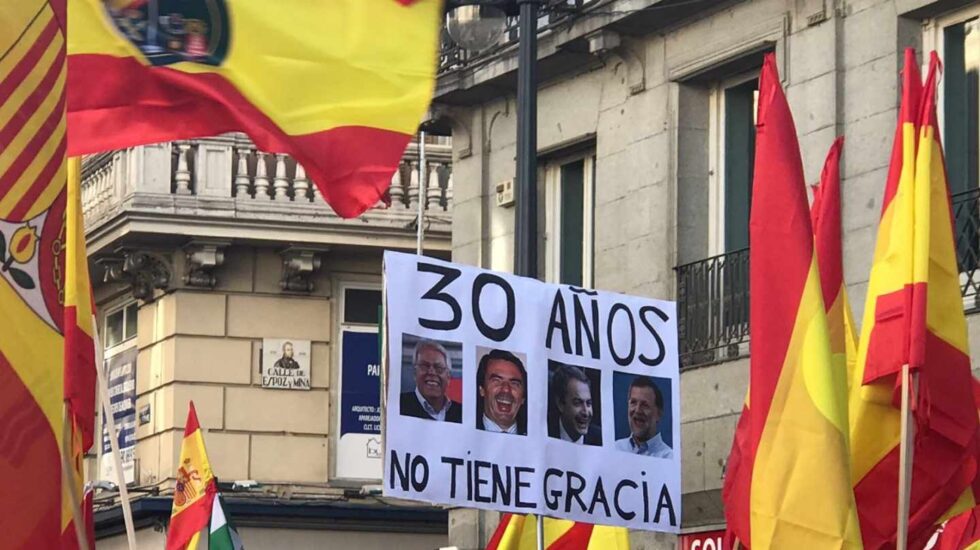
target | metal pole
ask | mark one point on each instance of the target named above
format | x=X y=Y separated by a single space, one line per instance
x=526 y=220
x=423 y=188
x=910 y=386
x=114 y=445
x=540 y=522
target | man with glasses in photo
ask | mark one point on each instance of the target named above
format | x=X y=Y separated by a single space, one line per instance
x=429 y=400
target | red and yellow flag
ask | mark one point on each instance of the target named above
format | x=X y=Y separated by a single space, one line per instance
x=517 y=532
x=825 y=214
x=339 y=85
x=787 y=483
x=913 y=315
x=46 y=348
x=194 y=490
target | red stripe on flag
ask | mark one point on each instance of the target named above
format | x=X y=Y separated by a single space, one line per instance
x=944 y=462
x=576 y=538
x=33 y=147
x=190 y=520
x=827 y=225
x=908 y=112
x=30 y=467
x=41 y=183
x=494 y=542
x=80 y=376
x=192 y=424
x=33 y=101
x=352 y=165
x=10 y=82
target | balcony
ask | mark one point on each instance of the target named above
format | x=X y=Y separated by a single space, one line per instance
x=713 y=308
x=713 y=294
x=224 y=188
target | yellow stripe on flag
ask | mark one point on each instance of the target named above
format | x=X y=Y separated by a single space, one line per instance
x=800 y=474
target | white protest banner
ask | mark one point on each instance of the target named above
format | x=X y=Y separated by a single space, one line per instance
x=510 y=394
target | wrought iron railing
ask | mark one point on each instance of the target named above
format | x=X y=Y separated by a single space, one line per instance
x=966 y=213
x=713 y=308
x=713 y=294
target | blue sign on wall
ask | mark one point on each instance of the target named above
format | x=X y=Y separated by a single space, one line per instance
x=360 y=399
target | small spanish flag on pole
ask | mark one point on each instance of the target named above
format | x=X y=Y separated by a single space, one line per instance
x=194 y=491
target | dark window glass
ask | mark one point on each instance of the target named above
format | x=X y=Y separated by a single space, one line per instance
x=131 y=317
x=740 y=104
x=572 y=229
x=114 y=328
x=361 y=306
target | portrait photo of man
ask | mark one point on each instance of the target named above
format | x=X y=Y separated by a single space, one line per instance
x=574 y=405
x=501 y=383
x=644 y=410
x=286 y=360
x=431 y=370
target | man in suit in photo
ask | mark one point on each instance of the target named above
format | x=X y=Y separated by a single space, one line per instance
x=432 y=372
x=572 y=414
x=501 y=391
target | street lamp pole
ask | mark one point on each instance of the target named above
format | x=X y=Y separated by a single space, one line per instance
x=526 y=216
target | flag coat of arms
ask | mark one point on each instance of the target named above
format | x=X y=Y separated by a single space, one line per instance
x=339 y=85
x=47 y=388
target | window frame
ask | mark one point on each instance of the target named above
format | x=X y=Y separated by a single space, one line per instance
x=337 y=384
x=553 y=196
x=127 y=341
x=717 y=158
x=933 y=39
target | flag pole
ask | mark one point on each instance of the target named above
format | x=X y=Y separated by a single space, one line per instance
x=114 y=445
x=910 y=384
x=68 y=476
x=540 y=533
x=423 y=192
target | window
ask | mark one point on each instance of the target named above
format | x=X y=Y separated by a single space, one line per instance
x=956 y=38
x=570 y=220
x=120 y=325
x=361 y=306
x=732 y=151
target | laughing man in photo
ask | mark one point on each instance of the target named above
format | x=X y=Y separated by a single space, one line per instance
x=645 y=407
x=502 y=388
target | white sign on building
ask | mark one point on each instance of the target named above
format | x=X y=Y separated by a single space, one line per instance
x=510 y=394
x=285 y=364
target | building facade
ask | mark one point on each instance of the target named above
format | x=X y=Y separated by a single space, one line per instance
x=211 y=259
x=645 y=147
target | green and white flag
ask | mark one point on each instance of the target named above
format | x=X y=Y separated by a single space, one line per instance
x=223 y=536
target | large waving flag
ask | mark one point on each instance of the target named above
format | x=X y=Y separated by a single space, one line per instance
x=45 y=302
x=341 y=85
x=913 y=315
x=787 y=483
x=195 y=489
x=825 y=213
x=517 y=532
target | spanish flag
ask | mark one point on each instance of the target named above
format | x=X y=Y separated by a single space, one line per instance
x=46 y=349
x=787 y=483
x=516 y=532
x=825 y=214
x=341 y=85
x=194 y=490
x=913 y=315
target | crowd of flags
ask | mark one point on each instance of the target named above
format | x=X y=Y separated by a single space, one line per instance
x=816 y=455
